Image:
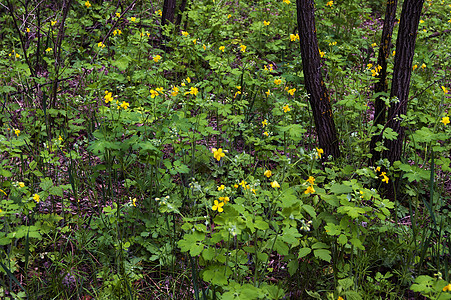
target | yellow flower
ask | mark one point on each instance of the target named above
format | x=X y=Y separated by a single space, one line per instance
x=159 y=12
x=421 y=21
x=217 y=153
x=160 y=90
x=99 y=44
x=311 y=180
x=21 y=184
x=369 y=66
x=447 y=288
x=194 y=41
x=319 y=151
x=266 y=23
x=36 y=198
x=192 y=91
x=243 y=183
x=286 y=108
x=340 y=298
x=175 y=91
x=235 y=186
x=221 y=187
x=218 y=206
x=28 y=29
x=17 y=55
x=60 y=138
x=243 y=48
x=264 y=122
x=385 y=178
x=3 y=192
x=222 y=48
x=156 y=58
x=225 y=199
x=286 y=1
x=373 y=45
x=108 y=96
x=414 y=67
x=133 y=19
x=53 y=23
x=294 y=37
x=445 y=90
x=17 y=132
x=291 y=92
x=330 y=3
x=268 y=92
x=423 y=66
x=87 y=4
x=277 y=81
x=188 y=79
x=321 y=53
x=50 y=49
x=378 y=169
x=394 y=52
x=204 y=47
x=445 y=120
x=229 y=16
x=267 y=173
x=332 y=43
x=125 y=105
x=266 y=133
x=184 y=33
x=133 y=201
x=118 y=15
x=117 y=31
x=153 y=94
x=309 y=190
x=275 y=184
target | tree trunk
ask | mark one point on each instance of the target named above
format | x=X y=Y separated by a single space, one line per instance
x=382 y=84
x=168 y=12
x=405 y=49
x=167 y=16
x=314 y=84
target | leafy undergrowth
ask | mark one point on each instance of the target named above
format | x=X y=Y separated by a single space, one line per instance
x=141 y=162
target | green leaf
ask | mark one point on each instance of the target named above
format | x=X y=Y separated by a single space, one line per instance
x=122 y=62
x=352 y=295
x=293 y=266
x=56 y=191
x=342 y=239
x=337 y=188
x=304 y=252
x=46 y=183
x=323 y=254
x=216 y=274
x=281 y=247
x=319 y=245
x=209 y=253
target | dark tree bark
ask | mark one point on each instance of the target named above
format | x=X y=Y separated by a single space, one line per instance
x=382 y=84
x=314 y=84
x=405 y=49
x=168 y=12
x=167 y=16
x=180 y=13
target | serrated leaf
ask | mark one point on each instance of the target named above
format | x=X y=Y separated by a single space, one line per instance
x=323 y=254
x=352 y=295
x=342 y=239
